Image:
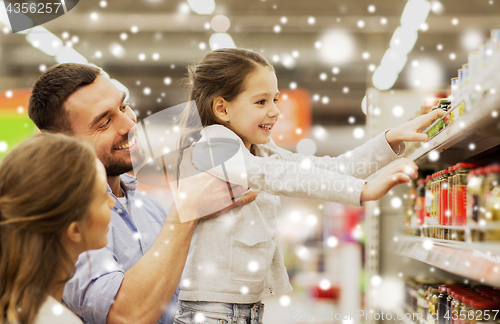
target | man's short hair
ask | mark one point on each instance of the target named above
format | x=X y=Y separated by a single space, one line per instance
x=46 y=105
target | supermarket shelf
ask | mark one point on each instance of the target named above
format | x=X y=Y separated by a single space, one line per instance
x=476 y=261
x=478 y=126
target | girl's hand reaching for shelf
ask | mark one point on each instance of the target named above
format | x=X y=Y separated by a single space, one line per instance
x=410 y=131
x=394 y=174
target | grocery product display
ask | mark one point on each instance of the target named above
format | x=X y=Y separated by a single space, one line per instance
x=438 y=301
x=451 y=215
x=461 y=203
x=475 y=81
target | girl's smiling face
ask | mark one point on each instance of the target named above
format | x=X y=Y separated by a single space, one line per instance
x=253 y=113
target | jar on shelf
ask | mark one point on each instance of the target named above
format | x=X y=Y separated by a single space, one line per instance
x=420 y=203
x=428 y=205
x=482 y=310
x=478 y=221
x=461 y=306
x=466 y=301
x=442 y=301
x=458 y=307
x=449 y=301
x=445 y=212
x=472 y=212
x=435 y=129
x=434 y=220
x=451 y=194
x=492 y=202
x=460 y=197
x=410 y=216
x=444 y=104
x=432 y=300
x=441 y=306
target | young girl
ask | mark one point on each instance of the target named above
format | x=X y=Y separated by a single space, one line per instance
x=234 y=259
x=54 y=205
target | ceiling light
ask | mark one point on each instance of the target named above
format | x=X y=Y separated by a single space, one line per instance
x=202 y=7
x=221 y=40
x=415 y=13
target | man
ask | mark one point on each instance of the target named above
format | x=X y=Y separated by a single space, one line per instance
x=135 y=278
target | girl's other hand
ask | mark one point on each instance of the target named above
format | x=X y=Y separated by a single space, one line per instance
x=410 y=131
x=394 y=174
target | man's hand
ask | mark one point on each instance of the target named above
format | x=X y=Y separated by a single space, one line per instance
x=238 y=202
x=410 y=131
x=202 y=195
x=394 y=174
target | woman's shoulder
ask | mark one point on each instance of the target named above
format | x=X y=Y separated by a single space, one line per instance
x=54 y=312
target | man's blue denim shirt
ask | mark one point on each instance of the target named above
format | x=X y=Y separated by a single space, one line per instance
x=99 y=273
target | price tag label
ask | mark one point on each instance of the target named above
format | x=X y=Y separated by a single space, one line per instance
x=25 y=14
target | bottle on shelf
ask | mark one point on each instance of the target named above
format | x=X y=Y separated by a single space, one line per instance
x=434 y=220
x=492 y=202
x=420 y=204
x=444 y=211
x=428 y=205
x=459 y=198
x=475 y=188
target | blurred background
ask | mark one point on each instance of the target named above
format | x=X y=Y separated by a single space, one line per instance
x=347 y=70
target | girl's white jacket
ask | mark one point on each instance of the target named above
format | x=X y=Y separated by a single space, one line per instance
x=235 y=257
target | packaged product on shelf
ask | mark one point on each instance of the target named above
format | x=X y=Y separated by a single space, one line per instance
x=482 y=310
x=474 y=76
x=434 y=219
x=454 y=93
x=410 y=215
x=487 y=65
x=428 y=205
x=420 y=202
x=445 y=302
x=480 y=84
x=438 y=188
x=466 y=87
x=432 y=300
x=442 y=306
x=492 y=202
x=418 y=294
x=451 y=194
x=476 y=211
x=445 y=104
x=434 y=129
x=459 y=198
x=461 y=90
x=471 y=207
x=444 y=211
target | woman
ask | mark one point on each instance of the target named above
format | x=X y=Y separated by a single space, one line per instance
x=54 y=205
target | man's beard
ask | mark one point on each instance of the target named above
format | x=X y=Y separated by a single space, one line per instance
x=115 y=167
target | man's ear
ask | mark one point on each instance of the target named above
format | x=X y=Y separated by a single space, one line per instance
x=74 y=232
x=219 y=107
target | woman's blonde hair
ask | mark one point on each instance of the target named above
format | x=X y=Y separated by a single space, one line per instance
x=46 y=183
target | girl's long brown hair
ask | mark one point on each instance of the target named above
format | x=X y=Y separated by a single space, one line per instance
x=46 y=183
x=221 y=73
